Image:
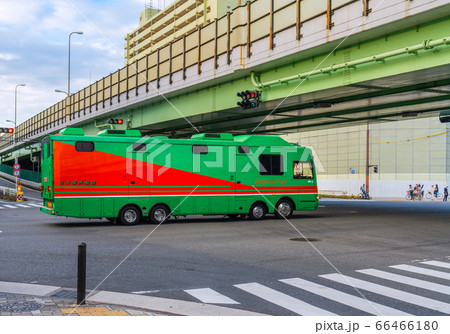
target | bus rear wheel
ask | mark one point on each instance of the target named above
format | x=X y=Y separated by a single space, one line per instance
x=129 y=215
x=257 y=211
x=159 y=214
x=284 y=208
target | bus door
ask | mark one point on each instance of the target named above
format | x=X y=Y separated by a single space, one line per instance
x=47 y=191
x=215 y=196
x=245 y=175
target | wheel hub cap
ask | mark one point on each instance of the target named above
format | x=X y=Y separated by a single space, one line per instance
x=130 y=216
x=284 y=209
x=160 y=215
x=258 y=211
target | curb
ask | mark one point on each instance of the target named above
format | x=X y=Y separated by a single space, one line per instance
x=155 y=304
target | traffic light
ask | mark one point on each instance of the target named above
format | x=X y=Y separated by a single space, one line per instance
x=6 y=130
x=250 y=99
x=115 y=121
x=375 y=169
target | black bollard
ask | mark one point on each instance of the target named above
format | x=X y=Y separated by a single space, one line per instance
x=81 y=280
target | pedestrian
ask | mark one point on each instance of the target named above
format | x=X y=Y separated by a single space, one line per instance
x=411 y=191
x=445 y=193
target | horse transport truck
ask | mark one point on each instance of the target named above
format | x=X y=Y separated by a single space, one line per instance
x=120 y=175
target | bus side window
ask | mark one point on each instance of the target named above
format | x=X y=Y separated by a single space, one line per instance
x=84 y=146
x=48 y=150
x=271 y=164
x=244 y=149
x=199 y=149
x=139 y=147
x=43 y=149
x=303 y=170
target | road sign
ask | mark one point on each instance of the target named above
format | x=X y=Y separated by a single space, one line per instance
x=16 y=173
x=16 y=166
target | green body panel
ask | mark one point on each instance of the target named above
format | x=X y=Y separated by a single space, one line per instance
x=223 y=162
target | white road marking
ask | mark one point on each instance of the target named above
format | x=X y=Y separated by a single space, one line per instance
x=344 y=298
x=23 y=206
x=423 y=271
x=283 y=300
x=438 y=264
x=144 y=292
x=210 y=296
x=1 y=208
x=390 y=292
x=36 y=205
x=407 y=280
x=10 y=206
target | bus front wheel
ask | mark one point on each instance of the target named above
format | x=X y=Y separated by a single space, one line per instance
x=258 y=211
x=129 y=215
x=159 y=214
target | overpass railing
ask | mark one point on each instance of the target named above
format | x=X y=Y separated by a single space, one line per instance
x=246 y=24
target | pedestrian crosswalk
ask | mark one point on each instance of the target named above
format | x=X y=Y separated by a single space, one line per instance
x=400 y=290
x=13 y=205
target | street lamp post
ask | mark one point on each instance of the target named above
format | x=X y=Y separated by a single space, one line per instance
x=64 y=106
x=15 y=111
x=68 y=76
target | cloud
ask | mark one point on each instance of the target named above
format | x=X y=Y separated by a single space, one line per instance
x=8 y=56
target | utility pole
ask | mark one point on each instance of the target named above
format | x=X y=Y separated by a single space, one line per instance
x=367 y=157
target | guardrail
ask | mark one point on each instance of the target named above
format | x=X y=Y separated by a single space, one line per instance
x=4 y=191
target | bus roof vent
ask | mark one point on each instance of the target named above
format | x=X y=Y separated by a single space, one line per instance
x=72 y=132
x=121 y=133
x=213 y=136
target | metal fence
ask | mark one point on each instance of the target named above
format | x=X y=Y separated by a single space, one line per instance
x=24 y=174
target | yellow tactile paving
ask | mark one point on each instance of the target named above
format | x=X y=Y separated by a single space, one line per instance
x=94 y=311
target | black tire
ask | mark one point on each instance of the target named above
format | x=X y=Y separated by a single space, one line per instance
x=159 y=214
x=130 y=215
x=233 y=215
x=284 y=208
x=257 y=211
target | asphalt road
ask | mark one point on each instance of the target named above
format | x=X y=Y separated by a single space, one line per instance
x=218 y=253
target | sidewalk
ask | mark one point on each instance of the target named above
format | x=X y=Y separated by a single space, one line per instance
x=23 y=299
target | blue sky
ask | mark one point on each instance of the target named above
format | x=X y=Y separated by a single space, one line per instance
x=34 y=48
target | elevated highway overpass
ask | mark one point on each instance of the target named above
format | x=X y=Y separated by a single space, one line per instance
x=317 y=63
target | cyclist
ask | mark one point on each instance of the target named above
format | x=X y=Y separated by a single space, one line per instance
x=411 y=192
x=436 y=191
x=363 y=190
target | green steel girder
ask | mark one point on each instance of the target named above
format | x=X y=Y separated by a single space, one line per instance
x=383 y=91
x=344 y=112
x=344 y=121
x=359 y=110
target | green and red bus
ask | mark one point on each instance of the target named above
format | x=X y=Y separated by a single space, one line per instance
x=120 y=175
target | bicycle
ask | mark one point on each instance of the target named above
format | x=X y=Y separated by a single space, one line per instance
x=413 y=197
x=362 y=196
x=431 y=196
